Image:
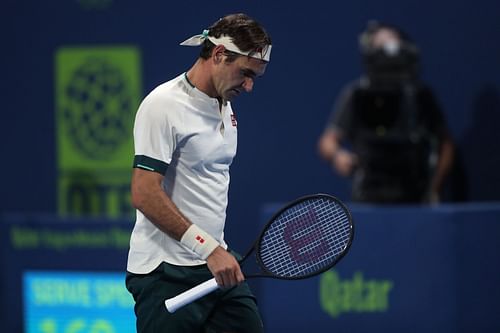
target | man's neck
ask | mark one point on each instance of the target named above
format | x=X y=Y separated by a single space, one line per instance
x=200 y=76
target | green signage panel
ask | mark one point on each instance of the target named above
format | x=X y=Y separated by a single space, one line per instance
x=98 y=90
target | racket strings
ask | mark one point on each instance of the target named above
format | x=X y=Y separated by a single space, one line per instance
x=306 y=238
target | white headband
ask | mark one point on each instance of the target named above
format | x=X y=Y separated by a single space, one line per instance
x=261 y=54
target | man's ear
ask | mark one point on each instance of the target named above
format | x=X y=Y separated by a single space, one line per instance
x=218 y=53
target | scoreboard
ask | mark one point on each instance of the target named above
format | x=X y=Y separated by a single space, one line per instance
x=77 y=302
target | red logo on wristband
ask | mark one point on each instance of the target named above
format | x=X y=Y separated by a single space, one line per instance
x=200 y=239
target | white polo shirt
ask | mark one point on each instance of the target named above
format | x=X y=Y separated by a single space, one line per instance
x=182 y=133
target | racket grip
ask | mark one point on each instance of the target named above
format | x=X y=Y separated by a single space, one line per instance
x=191 y=295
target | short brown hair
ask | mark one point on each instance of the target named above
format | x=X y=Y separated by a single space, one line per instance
x=247 y=34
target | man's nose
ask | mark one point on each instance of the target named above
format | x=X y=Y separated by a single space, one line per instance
x=248 y=84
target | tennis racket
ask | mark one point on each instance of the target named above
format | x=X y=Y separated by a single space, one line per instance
x=304 y=238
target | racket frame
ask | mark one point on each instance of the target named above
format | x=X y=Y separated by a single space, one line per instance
x=265 y=273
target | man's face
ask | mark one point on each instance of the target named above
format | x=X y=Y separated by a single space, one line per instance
x=237 y=76
x=386 y=39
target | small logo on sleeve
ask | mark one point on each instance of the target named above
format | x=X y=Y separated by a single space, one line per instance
x=200 y=239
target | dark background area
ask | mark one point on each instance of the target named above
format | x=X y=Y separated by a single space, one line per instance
x=315 y=53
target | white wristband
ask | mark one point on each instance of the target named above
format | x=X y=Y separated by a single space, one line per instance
x=199 y=241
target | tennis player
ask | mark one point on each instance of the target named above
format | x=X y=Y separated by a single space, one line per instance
x=185 y=140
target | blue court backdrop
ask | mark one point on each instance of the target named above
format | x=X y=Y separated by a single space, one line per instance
x=410 y=269
x=73 y=74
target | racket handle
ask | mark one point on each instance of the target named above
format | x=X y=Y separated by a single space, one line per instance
x=191 y=295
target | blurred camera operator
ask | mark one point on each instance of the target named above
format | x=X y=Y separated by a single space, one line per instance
x=386 y=129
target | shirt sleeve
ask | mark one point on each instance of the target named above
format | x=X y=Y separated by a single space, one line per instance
x=436 y=122
x=154 y=134
x=341 y=114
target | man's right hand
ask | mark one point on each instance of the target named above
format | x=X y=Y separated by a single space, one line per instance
x=344 y=162
x=225 y=268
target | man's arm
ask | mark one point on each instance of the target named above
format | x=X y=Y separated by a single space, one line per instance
x=148 y=197
x=330 y=149
x=445 y=161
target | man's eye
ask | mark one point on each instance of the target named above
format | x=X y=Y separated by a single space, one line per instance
x=248 y=74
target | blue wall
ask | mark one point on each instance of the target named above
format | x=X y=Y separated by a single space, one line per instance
x=279 y=123
x=409 y=269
